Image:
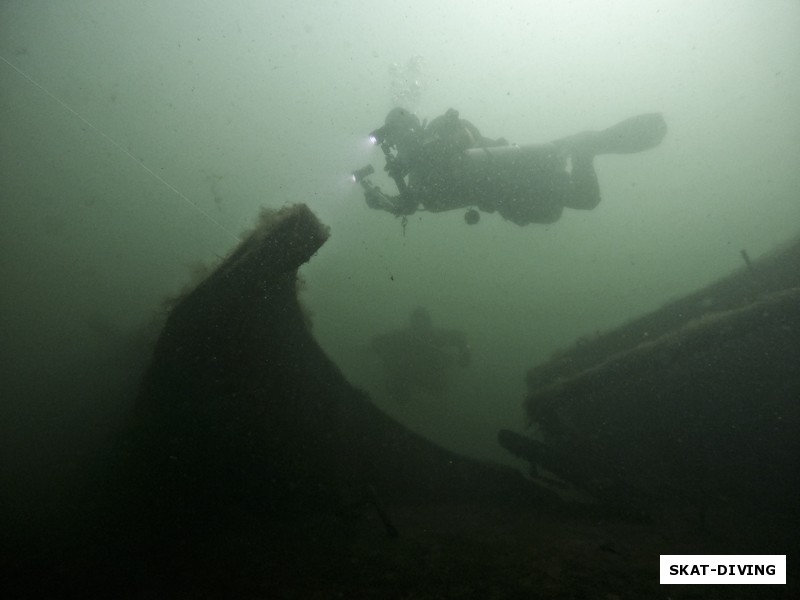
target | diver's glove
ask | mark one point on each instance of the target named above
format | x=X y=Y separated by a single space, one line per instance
x=402 y=205
x=375 y=198
x=396 y=205
x=396 y=169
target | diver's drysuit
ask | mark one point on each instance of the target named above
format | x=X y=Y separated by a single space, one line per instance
x=449 y=165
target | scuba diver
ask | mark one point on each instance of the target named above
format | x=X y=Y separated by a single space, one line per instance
x=420 y=356
x=447 y=164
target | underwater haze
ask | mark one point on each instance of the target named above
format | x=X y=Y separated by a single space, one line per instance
x=139 y=140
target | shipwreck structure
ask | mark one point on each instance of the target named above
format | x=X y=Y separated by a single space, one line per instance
x=241 y=408
x=249 y=460
x=698 y=401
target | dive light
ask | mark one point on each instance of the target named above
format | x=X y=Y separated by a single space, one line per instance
x=378 y=136
x=360 y=174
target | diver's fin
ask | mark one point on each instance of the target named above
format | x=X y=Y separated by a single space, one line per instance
x=636 y=134
x=632 y=135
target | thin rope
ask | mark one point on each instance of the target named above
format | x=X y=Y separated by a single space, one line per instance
x=122 y=149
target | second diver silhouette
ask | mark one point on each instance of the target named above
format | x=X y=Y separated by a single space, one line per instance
x=419 y=357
